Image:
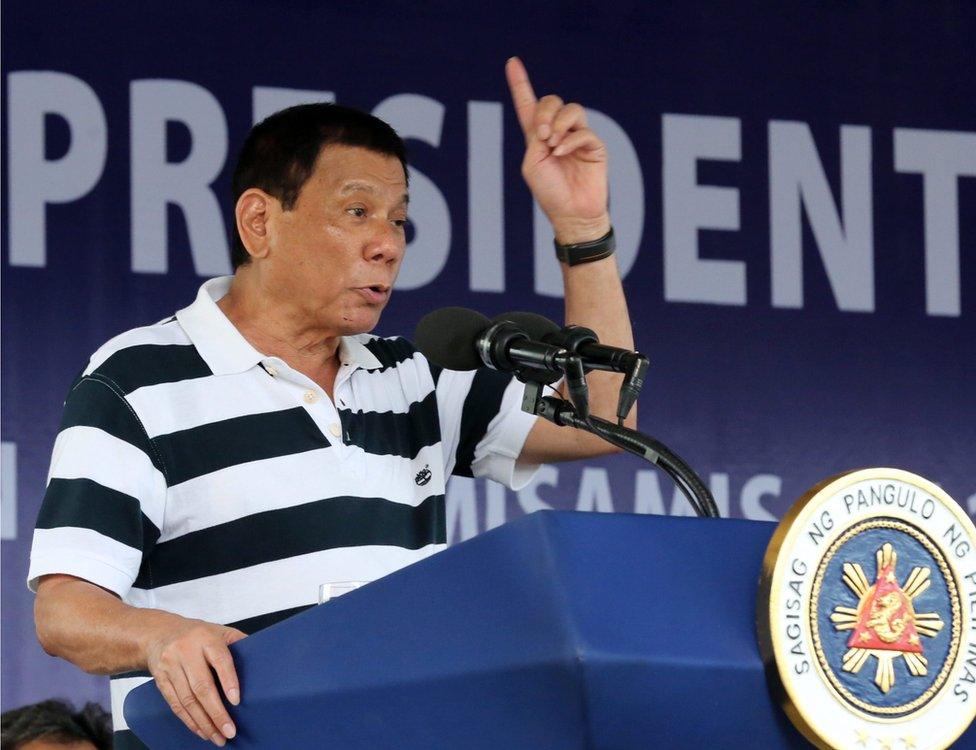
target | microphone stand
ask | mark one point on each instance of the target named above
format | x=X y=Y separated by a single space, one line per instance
x=563 y=413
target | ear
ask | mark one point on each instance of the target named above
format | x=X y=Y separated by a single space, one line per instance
x=252 y=213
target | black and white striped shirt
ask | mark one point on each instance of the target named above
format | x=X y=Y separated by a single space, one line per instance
x=196 y=475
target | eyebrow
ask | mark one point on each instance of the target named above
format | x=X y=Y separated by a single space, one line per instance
x=353 y=187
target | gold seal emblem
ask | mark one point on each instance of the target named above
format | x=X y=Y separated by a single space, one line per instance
x=885 y=623
x=866 y=613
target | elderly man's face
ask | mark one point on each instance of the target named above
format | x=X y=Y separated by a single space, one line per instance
x=336 y=254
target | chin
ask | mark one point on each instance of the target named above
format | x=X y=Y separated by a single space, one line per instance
x=355 y=324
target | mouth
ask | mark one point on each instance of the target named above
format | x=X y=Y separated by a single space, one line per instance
x=375 y=293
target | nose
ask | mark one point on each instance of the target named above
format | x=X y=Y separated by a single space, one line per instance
x=387 y=243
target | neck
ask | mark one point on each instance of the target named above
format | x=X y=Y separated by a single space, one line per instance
x=278 y=329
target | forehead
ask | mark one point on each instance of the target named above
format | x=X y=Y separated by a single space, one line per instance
x=339 y=165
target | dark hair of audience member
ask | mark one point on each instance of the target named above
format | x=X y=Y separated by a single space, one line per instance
x=57 y=722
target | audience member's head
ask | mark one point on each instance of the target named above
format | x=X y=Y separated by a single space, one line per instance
x=55 y=725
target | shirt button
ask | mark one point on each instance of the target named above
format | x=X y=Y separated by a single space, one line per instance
x=335 y=429
x=310 y=397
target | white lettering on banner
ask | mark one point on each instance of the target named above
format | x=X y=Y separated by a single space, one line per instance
x=754 y=490
x=463 y=496
x=156 y=182
x=462 y=509
x=594 y=490
x=486 y=198
x=495 y=510
x=648 y=497
x=528 y=496
x=689 y=207
x=626 y=187
x=593 y=493
x=266 y=100
x=35 y=180
x=718 y=483
x=420 y=117
x=843 y=230
x=797 y=181
x=941 y=157
x=8 y=491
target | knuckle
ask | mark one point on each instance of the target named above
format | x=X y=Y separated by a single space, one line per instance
x=202 y=688
x=199 y=632
x=188 y=701
x=166 y=655
x=219 y=655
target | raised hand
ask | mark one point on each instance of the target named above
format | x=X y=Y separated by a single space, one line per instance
x=565 y=164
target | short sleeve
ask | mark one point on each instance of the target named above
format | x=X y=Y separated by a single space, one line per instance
x=483 y=427
x=103 y=506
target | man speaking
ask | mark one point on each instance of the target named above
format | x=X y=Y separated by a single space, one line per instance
x=214 y=469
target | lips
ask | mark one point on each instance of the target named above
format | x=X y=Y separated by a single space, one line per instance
x=375 y=294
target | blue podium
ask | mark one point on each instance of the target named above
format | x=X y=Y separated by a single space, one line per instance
x=558 y=631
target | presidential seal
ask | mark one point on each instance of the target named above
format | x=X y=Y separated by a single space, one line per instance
x=867 y=613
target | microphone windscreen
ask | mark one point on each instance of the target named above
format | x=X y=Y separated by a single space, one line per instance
x=535 y=325
x=447 y=337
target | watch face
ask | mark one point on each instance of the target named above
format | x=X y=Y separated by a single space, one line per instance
x=865 y=613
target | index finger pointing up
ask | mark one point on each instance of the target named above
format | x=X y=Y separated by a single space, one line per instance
x=523 y=97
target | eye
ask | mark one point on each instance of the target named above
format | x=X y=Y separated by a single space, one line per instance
x=358 y=211
x=402 y=223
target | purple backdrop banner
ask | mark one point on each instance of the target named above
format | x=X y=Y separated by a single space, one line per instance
x=793 y=186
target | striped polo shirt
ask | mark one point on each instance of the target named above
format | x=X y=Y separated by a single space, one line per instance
x=193 y=474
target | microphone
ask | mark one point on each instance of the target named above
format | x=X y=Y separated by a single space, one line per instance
x=595 y=356
x=577 y=339
x=460 y=339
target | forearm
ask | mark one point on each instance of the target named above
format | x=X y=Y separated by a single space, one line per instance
x=595 y=299
x=97 y=632
x=93 y=629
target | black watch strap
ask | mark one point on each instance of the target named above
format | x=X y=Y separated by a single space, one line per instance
x=586 y=252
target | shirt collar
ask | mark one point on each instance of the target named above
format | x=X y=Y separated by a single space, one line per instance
x=354 y=353
x=223 y=347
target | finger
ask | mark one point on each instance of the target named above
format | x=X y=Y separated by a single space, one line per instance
x=545 y=113
x=188 y=699
x=223 y=664
x=523 y=97
x=172 y=699
x=201 y=683
x=233 y=635
x=585 y=143
x=570 y=117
